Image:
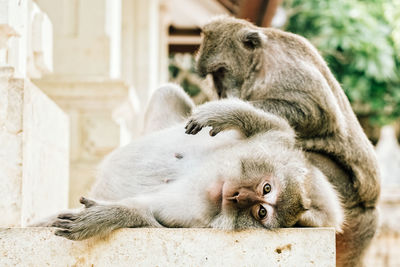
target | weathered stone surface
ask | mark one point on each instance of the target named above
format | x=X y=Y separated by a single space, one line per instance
x=10 y=178
x=45 y=156
x=171 y=247
x=34 y=154
x=11 y=105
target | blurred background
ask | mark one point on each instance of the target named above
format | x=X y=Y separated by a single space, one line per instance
x=100 y=61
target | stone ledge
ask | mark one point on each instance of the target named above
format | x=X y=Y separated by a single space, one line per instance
x=171 y=247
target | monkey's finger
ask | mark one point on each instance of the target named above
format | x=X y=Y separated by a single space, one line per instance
x=190 y=127
x=187 y=124
x=87 y=202
x=197 y=129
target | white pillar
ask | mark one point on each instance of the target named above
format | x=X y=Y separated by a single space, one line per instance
x=144 y=59
x=113 y=30
x=140 y=47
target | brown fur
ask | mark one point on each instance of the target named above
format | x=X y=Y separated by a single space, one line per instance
x=283 y=73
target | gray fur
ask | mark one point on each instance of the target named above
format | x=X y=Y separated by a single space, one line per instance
x=282 y=73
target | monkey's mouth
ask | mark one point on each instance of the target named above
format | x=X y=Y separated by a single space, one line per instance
x=218 y=78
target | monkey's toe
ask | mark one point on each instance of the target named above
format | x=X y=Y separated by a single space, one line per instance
x=69 y=235
x=87 y=202
x=63 y=224
x=68 y=216
x=63 y=233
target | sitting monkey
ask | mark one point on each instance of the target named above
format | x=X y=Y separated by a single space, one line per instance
x=250 y=175
x=283 y=74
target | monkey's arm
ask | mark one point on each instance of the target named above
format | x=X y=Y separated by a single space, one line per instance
x=234 y=114
x=100 y=218
x=306 y=116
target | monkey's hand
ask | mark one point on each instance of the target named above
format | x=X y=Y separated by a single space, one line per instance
x=234 y=114
x=219 y=115
x=99 y=219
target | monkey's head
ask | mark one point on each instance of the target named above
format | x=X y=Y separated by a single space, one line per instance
x=231 y=51
x=268 y=193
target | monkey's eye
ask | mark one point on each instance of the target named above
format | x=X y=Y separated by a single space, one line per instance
x=262 y=212
x=266 y=188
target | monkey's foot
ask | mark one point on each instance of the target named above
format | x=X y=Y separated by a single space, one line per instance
x=94 y=219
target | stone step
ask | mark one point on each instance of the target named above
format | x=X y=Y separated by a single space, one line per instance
x=171 y=247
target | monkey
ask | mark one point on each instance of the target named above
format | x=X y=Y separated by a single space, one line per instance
x=247 y=173
x=283 y=74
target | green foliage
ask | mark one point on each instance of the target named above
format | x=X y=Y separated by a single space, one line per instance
x=360 y=40
x=181 y=69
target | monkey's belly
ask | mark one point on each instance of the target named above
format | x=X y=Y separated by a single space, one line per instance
x=182 y=154
x=163 y=158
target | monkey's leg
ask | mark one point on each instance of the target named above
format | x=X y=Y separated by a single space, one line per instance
x=99 y=219
x=168 y=105
x=234 y=114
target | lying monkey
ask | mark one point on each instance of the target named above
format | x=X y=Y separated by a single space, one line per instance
x=247 y=174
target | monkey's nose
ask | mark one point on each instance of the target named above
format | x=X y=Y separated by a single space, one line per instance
x=244 y=198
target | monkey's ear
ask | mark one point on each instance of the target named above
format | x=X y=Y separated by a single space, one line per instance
x=253 y=39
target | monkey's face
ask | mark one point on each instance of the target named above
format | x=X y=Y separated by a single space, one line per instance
x=258 y=199
x=267 y=195
x=231 y=50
